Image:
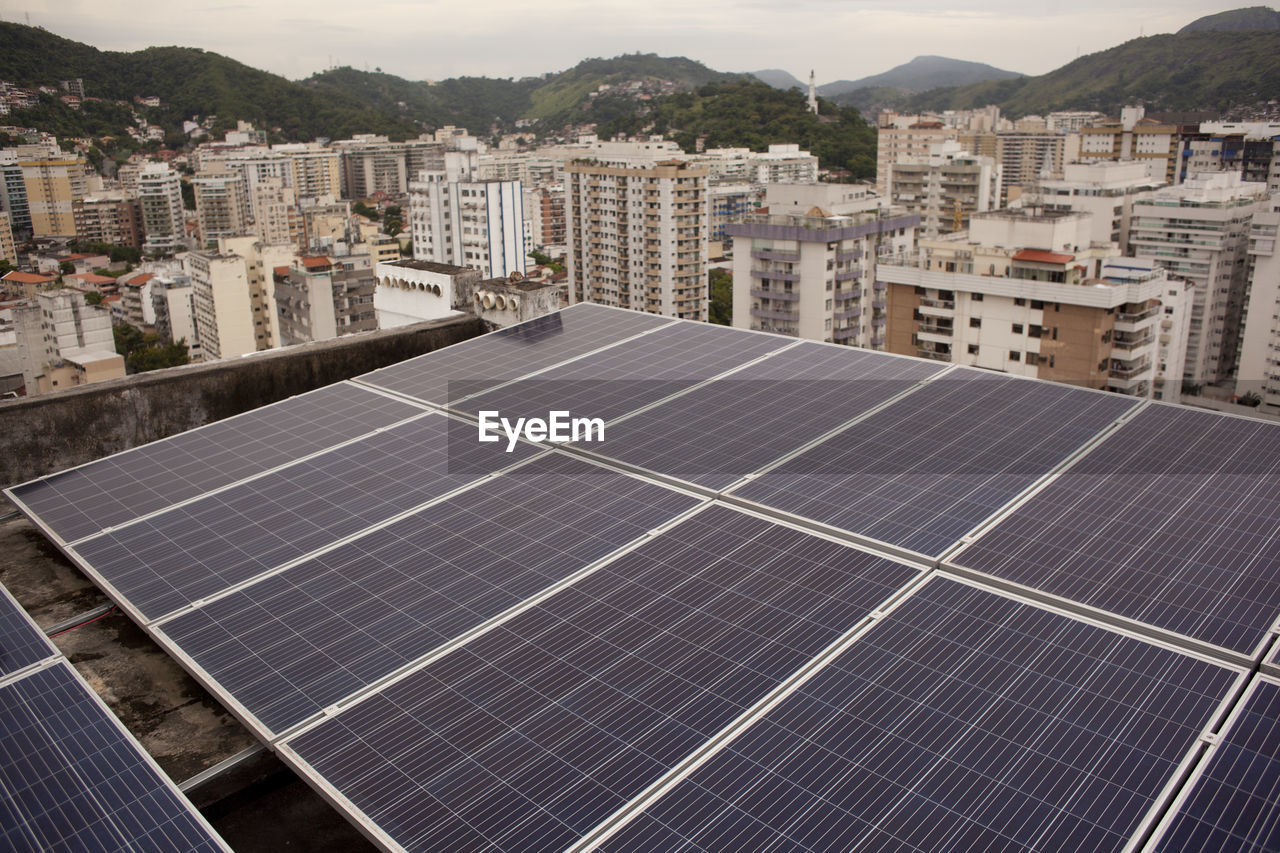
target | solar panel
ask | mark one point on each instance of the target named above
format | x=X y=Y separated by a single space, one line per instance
x=962 y=721
x=926 y=470
x=22 y=643
x=513 y=352
x=295 y=642
x=72 y=779
x=167 y=561
x=625 y=377
x=1173 y=521
x=1235 y=803
x=84 y=500
x=530 y=735
x=734 y=426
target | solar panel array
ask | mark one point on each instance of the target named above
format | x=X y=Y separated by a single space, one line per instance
x=799 y=596
x=72 y=778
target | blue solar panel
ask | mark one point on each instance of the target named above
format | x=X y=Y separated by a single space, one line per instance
x=71 y=779
x=722 y=431
x=167 y=561
x=625 y=377
x=530 y=735
x=289 y=645
x=1173 y=521
x=513 y=352
x=1235 y=804
x=85 y=500
x=962 y=721
x=923 y=472
x=22 y=643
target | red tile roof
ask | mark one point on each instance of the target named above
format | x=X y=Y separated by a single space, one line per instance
x=321 y=261
x=1037 y=256
x=27 y=277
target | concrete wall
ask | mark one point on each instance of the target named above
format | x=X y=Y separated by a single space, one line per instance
x=40 y=435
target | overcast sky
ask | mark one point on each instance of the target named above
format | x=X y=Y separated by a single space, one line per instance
x=435 y=39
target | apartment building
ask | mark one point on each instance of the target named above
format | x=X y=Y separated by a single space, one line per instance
x=897 y=142
x=637 y=235
x=13 y=199
x=809 y=272
x=222 y=205
x=1026 y=292
x=314 y=170
x=455 y=219
x=113 y=218
x=319 y=298
x=1258 y=368
x=64 y=342
x=163 y=216
x=1199 y=231
x=1105 y=189
x=1250 y=148
x=276 y=215
x=1132 y=138
x=173 y=304
x=1024 y=157
x=944 y=188
x=53 y=184
x=8 y=248
x=224 y=316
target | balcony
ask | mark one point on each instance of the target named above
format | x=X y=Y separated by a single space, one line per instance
x=1128 y=343
x=848 y=315
x=769 y=314
x=851 y=275
x=848 y=296
x=1139 y=317
x=945 y=304
x=845 y=334
x=774 y=294
x=769 y=255
x=935 y=328
x=1125 y=370
x=774 y=276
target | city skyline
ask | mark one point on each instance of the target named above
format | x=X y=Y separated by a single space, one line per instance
x=504 y=39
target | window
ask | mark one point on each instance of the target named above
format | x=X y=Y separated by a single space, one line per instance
x=973 y=349
x=1019 y=301
x=1055 y=333
x=1051 y=361
x=1033 y=358
x=919 y=291
x=1017 y=328
x=1037 y=304
x=1015 y=355
x=976 y=297
x=975 y=322
x=1034 y=331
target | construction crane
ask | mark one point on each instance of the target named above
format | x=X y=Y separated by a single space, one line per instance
x=957 y=217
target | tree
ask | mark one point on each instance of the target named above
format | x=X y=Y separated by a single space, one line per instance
x=1253 y=399
x=93 y=297
x=66 y=268
x=720 y=310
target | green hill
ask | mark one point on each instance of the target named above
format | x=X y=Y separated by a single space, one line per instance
x=755 y=115
x=1188 y=71
x=1252 y=18
x=189 y=82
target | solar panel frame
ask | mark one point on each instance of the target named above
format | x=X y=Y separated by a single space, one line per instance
x=622 y=575
x=90 y=756
x=307 y=586
x=260 y=525
x=908 y=484
x=606 y=326
x=1230 y=680
x=745 y=408
x=1180 y=541
x=1228 y=782
x=39 y=499
x=23 y=645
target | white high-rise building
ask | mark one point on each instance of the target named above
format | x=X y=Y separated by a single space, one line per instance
x=637 y=236
x=1106 y=189
x=1259 y=362
x=222 y=205
x=64 y=342
x=807 y=268
x=457 y=220
x=1200 y=231
x=945 y=188
x=163 y=218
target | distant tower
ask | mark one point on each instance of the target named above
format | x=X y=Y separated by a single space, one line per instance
x=813 y=95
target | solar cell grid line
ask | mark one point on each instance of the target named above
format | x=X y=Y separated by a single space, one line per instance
x=1234 y=803
x=963 y=720
x=73 y=779
x=295 y=642
x=530 y=735
x=197 y=550
x=924 y=471
x=610 y=382
x=1173 y=521
x=760 y=413
x=84 y=500
x=22 y=643
x=514 y=351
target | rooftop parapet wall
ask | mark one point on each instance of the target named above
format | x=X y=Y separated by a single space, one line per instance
x=48 y=433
